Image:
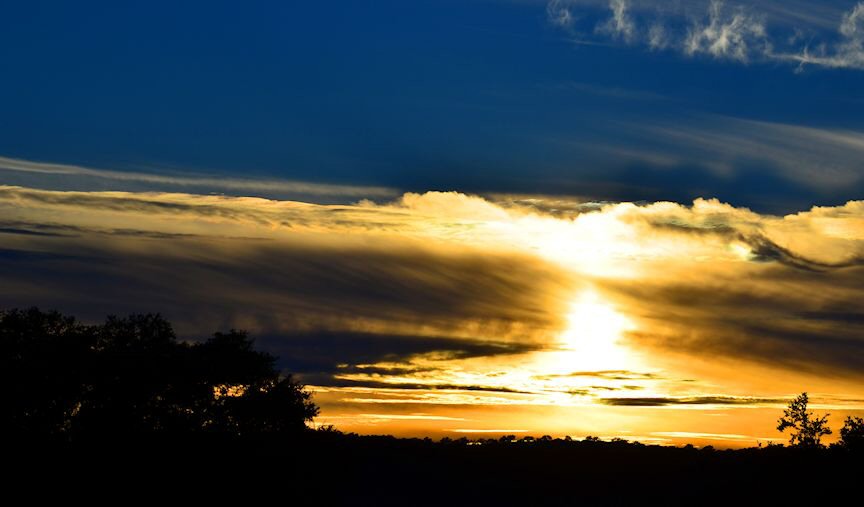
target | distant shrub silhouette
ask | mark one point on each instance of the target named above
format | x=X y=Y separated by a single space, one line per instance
x=852 y=434
x=131 y=375
x=807 y=429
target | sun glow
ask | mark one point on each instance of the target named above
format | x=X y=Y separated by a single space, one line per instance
x=592 y=339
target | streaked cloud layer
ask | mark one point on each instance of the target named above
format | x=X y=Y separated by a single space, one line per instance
x=435 y=308
x=65 y=174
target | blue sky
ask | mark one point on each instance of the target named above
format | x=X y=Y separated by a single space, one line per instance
x=756 y=103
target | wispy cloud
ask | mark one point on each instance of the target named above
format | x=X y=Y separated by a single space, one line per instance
x=713 y=436
x=743 y=32
x=782 y=163
x=488 y=430
x=847 y=53
x=39 y=171
x=558 y=13
x=612 y=92
x=731 y=35
x=816 y=157
x=619 y=25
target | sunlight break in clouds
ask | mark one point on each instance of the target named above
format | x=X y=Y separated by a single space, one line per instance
x=434 y=309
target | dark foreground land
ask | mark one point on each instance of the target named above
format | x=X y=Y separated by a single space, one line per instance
x=125 y=413
x=324 y=468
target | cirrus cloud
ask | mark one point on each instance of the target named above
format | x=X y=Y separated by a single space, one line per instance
x=727 y=30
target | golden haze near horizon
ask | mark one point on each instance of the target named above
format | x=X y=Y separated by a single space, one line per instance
x=446 y=314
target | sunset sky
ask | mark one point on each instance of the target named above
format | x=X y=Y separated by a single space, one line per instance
x=624 y=218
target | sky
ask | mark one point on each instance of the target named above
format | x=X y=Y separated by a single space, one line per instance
x=623 y=218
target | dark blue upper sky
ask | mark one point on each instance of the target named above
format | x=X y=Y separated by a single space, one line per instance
x=756 y=103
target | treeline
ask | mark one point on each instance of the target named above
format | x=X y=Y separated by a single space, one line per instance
x=142 y=412
x=807 y=428
x=131 y=376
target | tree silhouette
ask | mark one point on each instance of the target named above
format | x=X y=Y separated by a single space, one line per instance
x=852 y=434
x=807 y=429
x=131 y=375
x=43 y=360
x=249 y=395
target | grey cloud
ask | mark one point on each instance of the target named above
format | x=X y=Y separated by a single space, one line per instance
x=762 y=249
x=773 y=315
x=372 y=384
x=765 y=250
x=319 y=355
x=28 y=232
x=275 y=287
x=692 y=400
x=71 y=231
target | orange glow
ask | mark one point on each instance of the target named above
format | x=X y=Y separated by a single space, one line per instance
x=662 y=322
x=593 y=334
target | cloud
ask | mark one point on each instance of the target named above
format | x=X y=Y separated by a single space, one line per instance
x=658 y=37
x=764 y=250
x=785 y=306
x=619 y=26
x=558 y=13
x=36 y=173
x=743 y=32
x=613 y=92
x=713 y=436
x=274 y=267
x=727 y=35
x=847 y=53
x=607 y=375
x=805 y=162
x=319 y=355
x=441 y=292
x=696 y=400
x=407 y=386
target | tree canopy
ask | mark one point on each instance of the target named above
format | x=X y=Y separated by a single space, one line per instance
x=806 y=428
x=132 y=375
x=852 y=434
